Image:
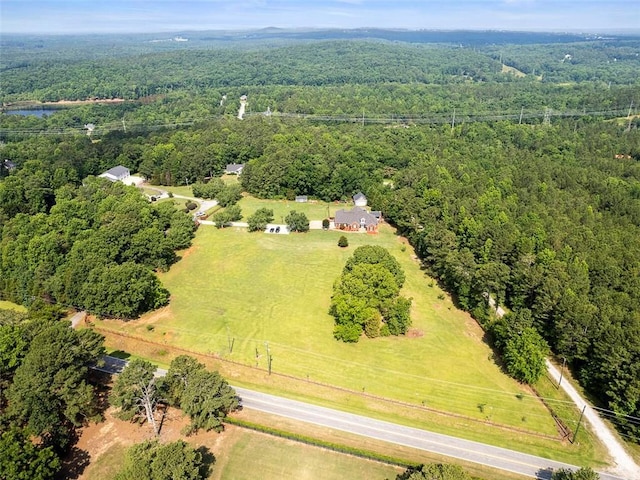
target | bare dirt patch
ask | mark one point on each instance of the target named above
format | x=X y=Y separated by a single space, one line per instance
x=96 y=440
x=472 y=328
x=414 y=333
x=160 y=314
x=185 y=253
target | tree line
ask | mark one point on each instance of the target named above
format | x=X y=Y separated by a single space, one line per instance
x=543 y=219
x=94 y=247
x=135 y=74
x=47 y=393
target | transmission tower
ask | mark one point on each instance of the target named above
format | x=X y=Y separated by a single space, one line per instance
x=547 y=117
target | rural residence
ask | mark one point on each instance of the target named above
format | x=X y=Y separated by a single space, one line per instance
x=355 y=220
x=360 y=200
x=115 y=174
x=234 y=168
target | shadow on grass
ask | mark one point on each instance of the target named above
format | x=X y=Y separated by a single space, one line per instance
x=208 y=461
x=120 y=354
x=74 y=463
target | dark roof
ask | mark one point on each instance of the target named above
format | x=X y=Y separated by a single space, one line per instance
x=377 y=214
x=355 y=215
x=234 y=167
x=359 y=196
x=9 y=165
x=118 y=171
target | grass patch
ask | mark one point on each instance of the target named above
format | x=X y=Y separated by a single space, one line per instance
x=513 y=71
x=236 y=294
x=314 y=210
x=106 y=465
x=5 y=305
x=258 y=455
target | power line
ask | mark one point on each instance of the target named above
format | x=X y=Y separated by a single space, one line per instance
x=386 y=118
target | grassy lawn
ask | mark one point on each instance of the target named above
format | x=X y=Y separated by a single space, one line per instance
x=256 y=455
x=244 y=454
x=260 y=292
x=106 y=465
x=313 y=209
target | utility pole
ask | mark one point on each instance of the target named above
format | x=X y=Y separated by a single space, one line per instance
x=564 y=360
x=453 y=120
x=124 y=126
x=268 y=357
x=578 y=426
x=521 y=112
x=229 y=342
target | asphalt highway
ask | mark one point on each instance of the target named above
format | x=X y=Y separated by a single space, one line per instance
x=446 y=445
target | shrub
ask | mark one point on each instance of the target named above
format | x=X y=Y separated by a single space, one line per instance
x=343 y=242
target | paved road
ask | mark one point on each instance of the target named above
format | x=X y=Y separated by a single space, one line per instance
x=625 y=464
x=470 y=451
x=420 y=439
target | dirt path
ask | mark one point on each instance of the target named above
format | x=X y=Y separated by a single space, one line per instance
x=624 y=464
x=243 y=105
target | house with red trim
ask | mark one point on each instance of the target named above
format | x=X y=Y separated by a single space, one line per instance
x=356 y=220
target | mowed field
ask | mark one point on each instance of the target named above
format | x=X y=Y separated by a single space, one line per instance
x=243 y=296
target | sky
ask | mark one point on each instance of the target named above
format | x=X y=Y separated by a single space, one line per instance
x=121 y=16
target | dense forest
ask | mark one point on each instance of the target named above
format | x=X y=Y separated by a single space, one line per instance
x=539 y=212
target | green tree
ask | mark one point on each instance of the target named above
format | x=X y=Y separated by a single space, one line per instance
x=205 y=396
x=229 y=195
x=366 y=299
x=125 y=290
x=524 y=356
x=136 y=394
x=297 y=221
x=172 y=461
x=343 y=242
x=50 y=393
x=259 y=220
x=230 y=214
x=207 y=399
x=434 y=471
x=208 y=190
x=376 y=255
x=22 y=459
x=180 y=371
x=584 y=473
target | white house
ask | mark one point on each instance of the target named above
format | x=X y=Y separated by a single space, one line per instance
x=115 y=174
x=360 y=200
x=234 y=168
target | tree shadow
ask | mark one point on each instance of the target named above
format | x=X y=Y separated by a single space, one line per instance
x=208 y=461
x=74 y=463
x=544 y=473
x=121 y=354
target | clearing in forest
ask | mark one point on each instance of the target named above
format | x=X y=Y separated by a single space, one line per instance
x=246 y=297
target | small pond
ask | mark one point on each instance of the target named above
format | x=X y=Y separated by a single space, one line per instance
x=38 y=112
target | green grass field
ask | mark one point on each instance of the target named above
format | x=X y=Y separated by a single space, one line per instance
x=271 y=293
x=254 y=455
x=257 y=289
x=250 y=455
x=314 y=210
